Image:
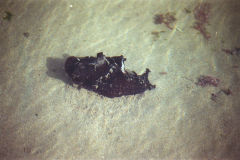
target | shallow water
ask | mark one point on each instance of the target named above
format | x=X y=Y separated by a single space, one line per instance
x=43 y=117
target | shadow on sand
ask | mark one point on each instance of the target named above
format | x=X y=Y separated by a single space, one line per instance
x=56 y=69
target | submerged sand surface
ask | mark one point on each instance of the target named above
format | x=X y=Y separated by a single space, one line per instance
x=43 y=117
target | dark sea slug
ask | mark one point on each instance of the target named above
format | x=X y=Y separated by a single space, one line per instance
x=106 y=76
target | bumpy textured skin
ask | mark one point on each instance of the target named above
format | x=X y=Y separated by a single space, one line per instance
x=106 y=76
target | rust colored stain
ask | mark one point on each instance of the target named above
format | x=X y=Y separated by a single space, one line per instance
x=201 y=15
x=166 y=19
x=204 y=81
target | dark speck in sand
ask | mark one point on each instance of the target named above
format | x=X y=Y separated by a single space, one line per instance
x=26 y=34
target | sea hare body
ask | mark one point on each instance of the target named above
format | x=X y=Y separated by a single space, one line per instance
x=106 y=76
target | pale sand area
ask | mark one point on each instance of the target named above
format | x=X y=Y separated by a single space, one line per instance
x=42 y=117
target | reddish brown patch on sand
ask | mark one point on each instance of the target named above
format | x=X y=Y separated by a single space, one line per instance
x=167 y=19
x=201 y=15
x=204 y=81
x=235 y=51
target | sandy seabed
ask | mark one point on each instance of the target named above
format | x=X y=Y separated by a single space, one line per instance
x=43 y=117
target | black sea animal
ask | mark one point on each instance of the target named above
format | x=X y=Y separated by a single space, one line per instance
x=106 y=76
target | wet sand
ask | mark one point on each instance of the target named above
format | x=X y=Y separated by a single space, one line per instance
x=43 y=117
